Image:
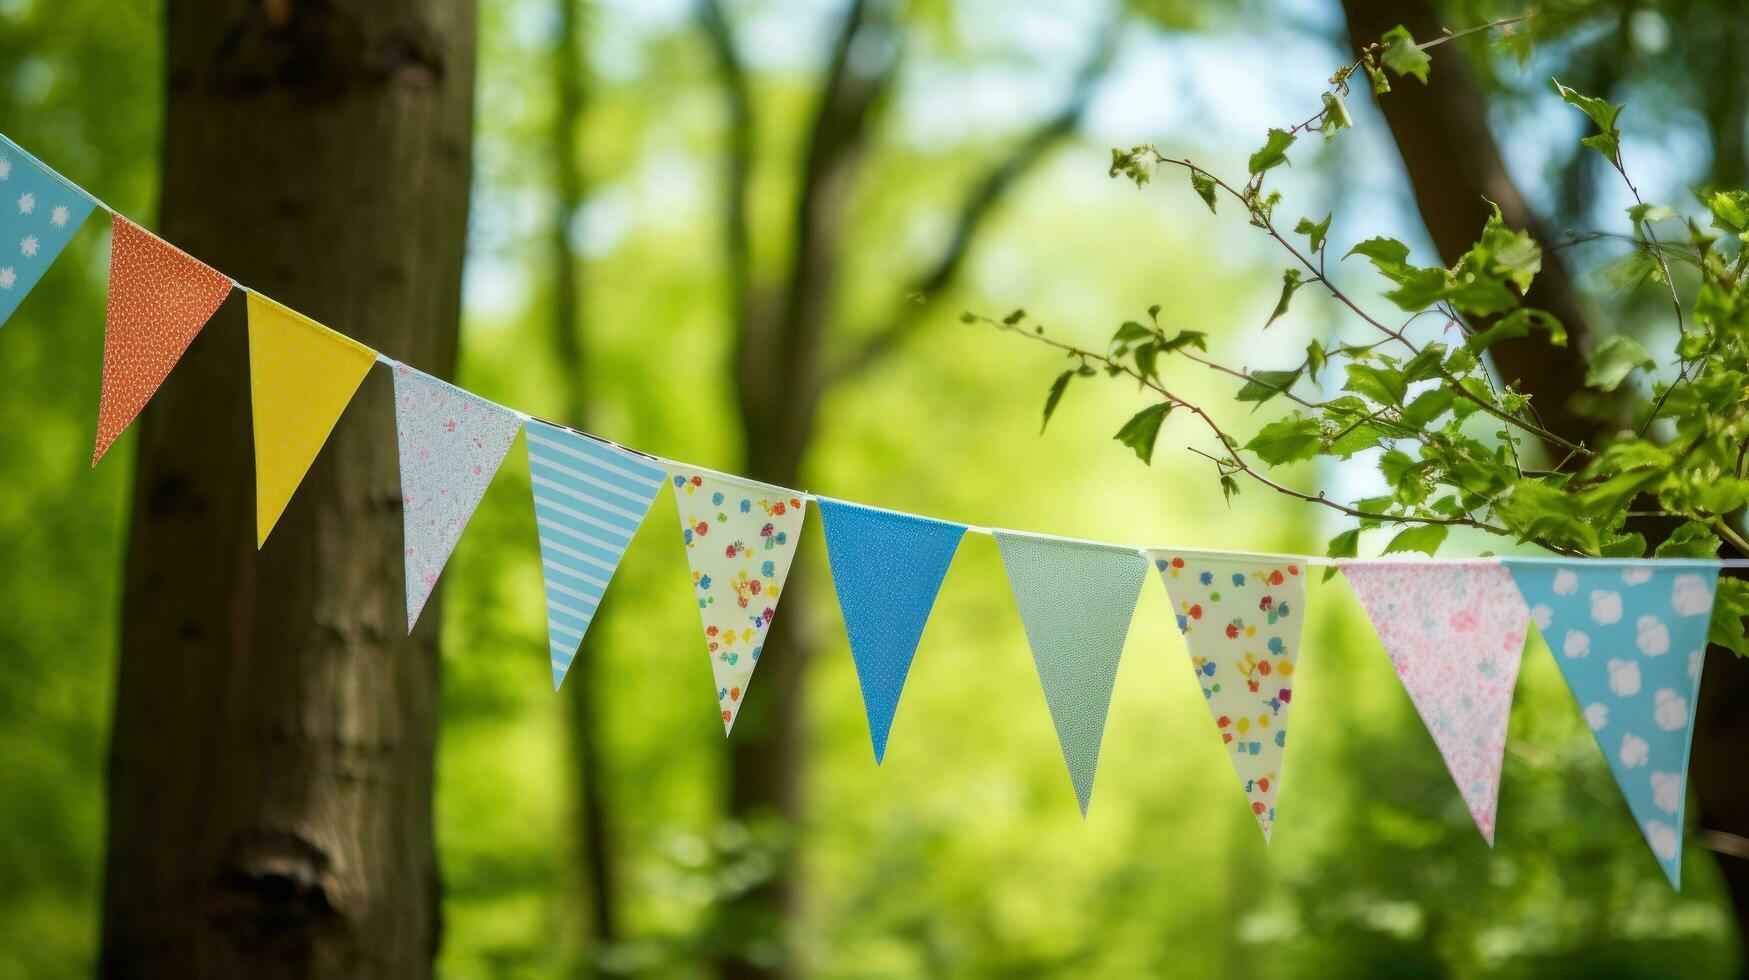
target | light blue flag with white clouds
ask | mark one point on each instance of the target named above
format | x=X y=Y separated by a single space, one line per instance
x=1630 y=637
x=39 y=213
x=589 y=498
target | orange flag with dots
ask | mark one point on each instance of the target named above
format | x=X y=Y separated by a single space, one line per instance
x=159 y=299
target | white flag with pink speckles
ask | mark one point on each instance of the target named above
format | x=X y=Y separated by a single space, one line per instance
x=1454 y=631
x=451 y=444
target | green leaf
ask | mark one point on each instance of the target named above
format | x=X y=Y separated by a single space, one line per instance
x=1335 y=114
x=1518 y=323
x=1131 y=330
x=1398 y=468
x=1426 y=538
x=1388 y=255
x=1315 y=359
x=1730 y=210
x=1381 y=83
x=1344 y=545
x=1402 y=56
x=1649 y=213
x=1730 y=605
x=1140 y=432
x=1628 y=271
x=1607 y=139
x=1273 y=152
x=1057 y=388
x=1204 y=185
x=1614 y=360
x=1261 y=386
x=1691 y=540
x=1356 y=438
x=1624 y=546
x=1603 y=143
x=1229 y=487
x=1290 y=283
x=1381 y=384
x=1721 y=495
x=1535 y=508
x=1286 y=440
x=1186 y=338
x=1425 y=364
x=1314 y=232
x=1420 y=289
x=1427 y=406
x=1145 y=356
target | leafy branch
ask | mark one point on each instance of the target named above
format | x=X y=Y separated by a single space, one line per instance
x=1451 y=439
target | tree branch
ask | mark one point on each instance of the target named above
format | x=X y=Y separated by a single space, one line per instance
x=979 y=204
x=738 y=166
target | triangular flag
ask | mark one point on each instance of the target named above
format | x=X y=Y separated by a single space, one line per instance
x=589 y=498
x=1454 y=631
x=1630 y=637
x=451 y=444
x=39 y=212
x=159 y=299
x=887 y=568
x=1241 y=616
x=1076 y=600
x=740 y=538
x=301 y=377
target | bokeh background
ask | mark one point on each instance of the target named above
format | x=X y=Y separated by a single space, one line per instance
x=964 y=853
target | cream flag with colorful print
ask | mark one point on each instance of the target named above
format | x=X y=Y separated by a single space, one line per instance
x=301 y=377
x=1454 y=631
x=740 y=537
x=1240 y=616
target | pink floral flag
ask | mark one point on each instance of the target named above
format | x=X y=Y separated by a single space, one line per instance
x=451 y=444
x=1455 y=633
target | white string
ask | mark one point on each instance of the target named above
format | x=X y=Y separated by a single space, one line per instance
x=673 y=464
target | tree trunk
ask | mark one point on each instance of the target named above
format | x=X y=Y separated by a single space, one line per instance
x=271 y=762
x=600 y=880
x=1441 y=129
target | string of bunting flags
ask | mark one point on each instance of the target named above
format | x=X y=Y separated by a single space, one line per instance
x=1629 y=635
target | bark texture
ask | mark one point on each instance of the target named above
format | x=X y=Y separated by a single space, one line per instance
x=1452 y=160
x=271 y=762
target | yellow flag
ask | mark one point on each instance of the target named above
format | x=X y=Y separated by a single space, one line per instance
x=301 y=377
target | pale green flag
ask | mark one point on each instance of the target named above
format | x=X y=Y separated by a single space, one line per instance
x=1076 y=599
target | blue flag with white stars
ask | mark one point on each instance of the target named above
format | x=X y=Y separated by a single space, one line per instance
x=39 y=212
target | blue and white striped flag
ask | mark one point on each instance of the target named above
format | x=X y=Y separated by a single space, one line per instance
x=589 y=498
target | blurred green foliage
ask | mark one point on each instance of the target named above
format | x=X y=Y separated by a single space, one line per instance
x=963 y=854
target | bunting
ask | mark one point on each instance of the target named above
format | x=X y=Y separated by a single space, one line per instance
x=1454 y=631
x=589 y=498
x=159 y=299
x=1076 y=600
x=39 y=212
x=1241 y=617
x=1630 y=636
x=451 y=443
x=887 y=568
x=740 y=538
x=301 y=378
